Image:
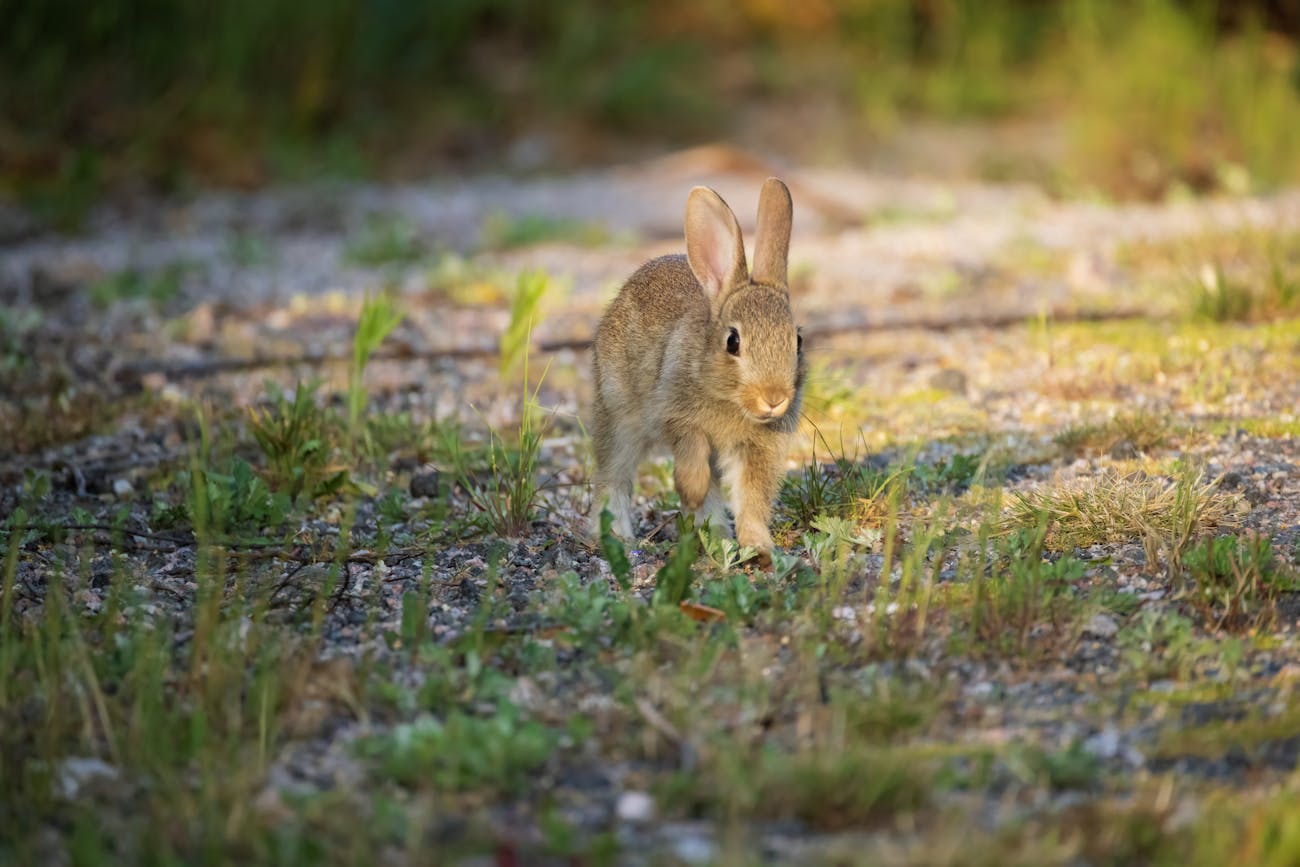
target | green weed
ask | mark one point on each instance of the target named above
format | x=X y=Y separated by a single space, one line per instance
x=508 y=496
x=379 y=316
x=299 y=442
x=673 y=580
x=525 y=306
x=1235 y=581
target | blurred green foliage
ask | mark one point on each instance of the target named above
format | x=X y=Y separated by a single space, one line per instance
x=1154 y=93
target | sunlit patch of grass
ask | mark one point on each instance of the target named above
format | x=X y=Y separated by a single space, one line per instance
x=1237 y=275
x=1283 y=426
x=1169 y=514
x=1262 y=831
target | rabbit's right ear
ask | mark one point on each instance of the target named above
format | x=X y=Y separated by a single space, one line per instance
x=714 y=248
x=772 y=240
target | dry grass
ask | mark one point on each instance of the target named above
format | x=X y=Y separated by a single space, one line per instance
x=1166 y=514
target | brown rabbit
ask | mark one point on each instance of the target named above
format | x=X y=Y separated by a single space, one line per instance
x=700 y=355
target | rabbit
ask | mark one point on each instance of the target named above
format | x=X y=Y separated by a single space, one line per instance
x=702 y=356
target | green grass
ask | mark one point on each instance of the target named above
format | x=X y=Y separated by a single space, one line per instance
x=1235 y=581
x=299 y=442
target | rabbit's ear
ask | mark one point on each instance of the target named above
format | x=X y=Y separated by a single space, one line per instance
x=772 y=240
x=714 y=247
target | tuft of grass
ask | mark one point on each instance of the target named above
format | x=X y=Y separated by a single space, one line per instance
x=379 y=316
x=1141 y=430
x=525 y=307
x=1167 y=514
x=841 y=489
x=1235 y=581
x=1222 y=295
x=298 y=439
x=508 y=494
x=1019 y=601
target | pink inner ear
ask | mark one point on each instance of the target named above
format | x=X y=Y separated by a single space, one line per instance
x=719 y=256
x=712 y=241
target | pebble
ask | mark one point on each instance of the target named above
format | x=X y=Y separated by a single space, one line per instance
x=425 y=483
x=635 y=807
x=76 y=773
x=122 y=488
x=1102 y=626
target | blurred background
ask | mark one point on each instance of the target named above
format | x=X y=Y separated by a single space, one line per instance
x=1138 y=99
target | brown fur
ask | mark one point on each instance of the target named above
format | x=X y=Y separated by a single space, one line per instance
x=664 y=376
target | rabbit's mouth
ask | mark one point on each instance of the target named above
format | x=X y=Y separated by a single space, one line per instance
x=767 y=404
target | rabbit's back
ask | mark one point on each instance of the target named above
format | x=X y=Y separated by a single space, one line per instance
x=650 y=336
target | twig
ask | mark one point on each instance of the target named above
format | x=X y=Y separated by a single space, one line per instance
x=133 y=372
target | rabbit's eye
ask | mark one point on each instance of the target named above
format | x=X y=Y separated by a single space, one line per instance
x=733 y=342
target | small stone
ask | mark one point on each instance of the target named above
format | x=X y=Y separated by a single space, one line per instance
x=75 y=773
x=949 y=379
x=691 y=845
x=1102 y=626
x=635 y=807
x=1104 y=744
x=981 y=690
x=425 y=483
x=122 y=488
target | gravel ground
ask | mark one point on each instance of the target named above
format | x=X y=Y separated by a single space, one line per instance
x=270 y=275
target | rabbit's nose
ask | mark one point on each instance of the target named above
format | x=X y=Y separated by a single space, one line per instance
x=773 y=401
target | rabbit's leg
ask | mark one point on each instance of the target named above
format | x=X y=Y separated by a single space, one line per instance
x=755 y=478
x=618 y=453
x=694 y=478
x=715 y=504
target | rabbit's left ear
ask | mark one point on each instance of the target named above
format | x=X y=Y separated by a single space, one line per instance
x=714 y=248
x=772 y=240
